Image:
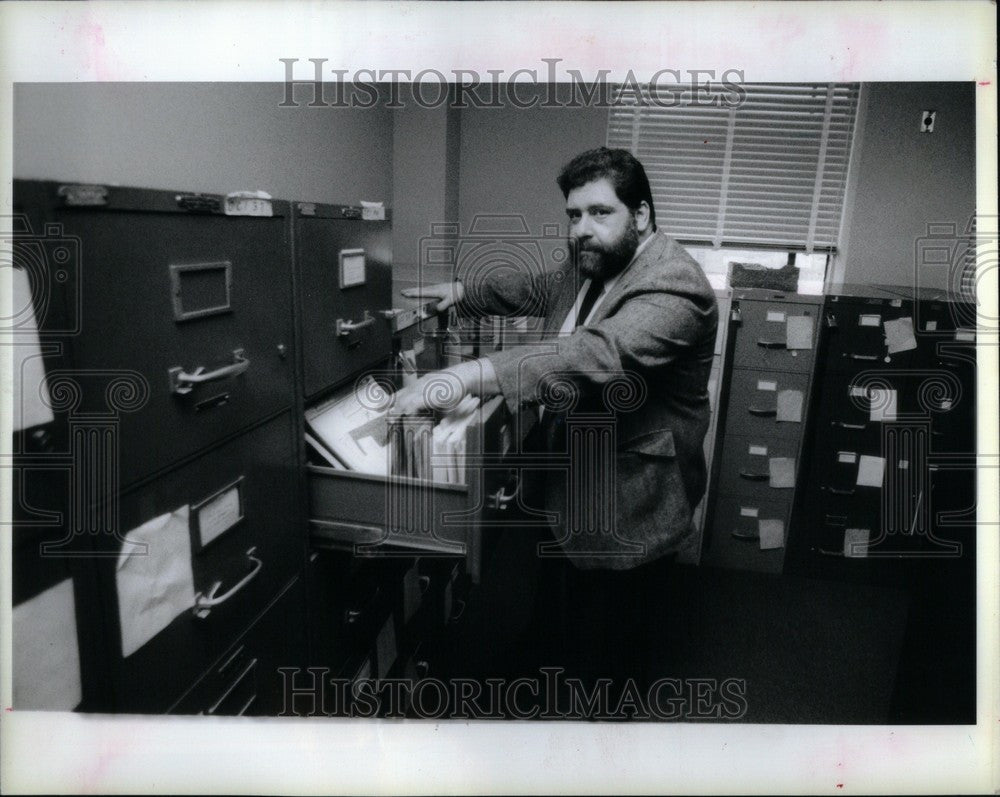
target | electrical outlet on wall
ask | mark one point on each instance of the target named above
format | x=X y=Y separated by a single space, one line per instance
x=927 y=121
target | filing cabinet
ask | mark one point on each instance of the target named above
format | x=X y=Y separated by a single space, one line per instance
x=183 y=304
x=173 y=460
x=771 y=348
x=890 y=460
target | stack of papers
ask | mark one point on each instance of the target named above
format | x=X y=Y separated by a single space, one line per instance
x=354 y=431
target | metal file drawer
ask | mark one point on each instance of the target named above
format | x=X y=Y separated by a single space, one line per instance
x=374 y=514
x=855 y=334
x=257 y=550
x=745 y=466
x=753 y=397
x=184 y=332
x=246 y=680
x=761 y=336
x=344 y=272
x=733 y=540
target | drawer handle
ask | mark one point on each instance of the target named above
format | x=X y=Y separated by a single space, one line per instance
x=424 y=583
x=838 y=491
x=461 y=610
x=500 y=499
x=182 y=382
x=203 y=604
x=763 y=413
x=868 y=358
x=347 y=327
x=353 y=616
x=736 y=316
x=857 y=427
x=831 y=321
x=422 y=667
x=772 y=344
x=752 y=476
x=746 y=536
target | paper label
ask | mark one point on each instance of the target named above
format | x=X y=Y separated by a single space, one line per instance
x=45 y=653
x=847 y=457
x=767 y=385
x=748 y=511
x=789 y=406
x=883 y=405
x=771 y=533
x=799 y=332
x=869 y=320
x=219 y=514
x=856 y=542
x=776 y=315
x=758 y=451
x=930 y=326
x=904 y=464
x=782 y=472
x=899 y=335
x=965 y=335
x=946 y=404
x=859 y=392
x=895 y=302
x=372 y=211
x=870 y=471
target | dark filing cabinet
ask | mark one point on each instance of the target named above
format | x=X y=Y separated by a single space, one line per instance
x=175 y=398
x=771 y=347
x=393 y=557
x=891 y=462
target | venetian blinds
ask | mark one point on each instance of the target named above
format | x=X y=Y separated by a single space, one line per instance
x=769 y=171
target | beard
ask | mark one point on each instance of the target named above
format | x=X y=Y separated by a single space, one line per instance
x=600 y=261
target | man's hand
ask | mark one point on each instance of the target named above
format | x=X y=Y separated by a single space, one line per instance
x=448 y=294
x=443 y=390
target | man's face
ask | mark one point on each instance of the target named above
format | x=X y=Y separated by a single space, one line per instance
x=602 y=229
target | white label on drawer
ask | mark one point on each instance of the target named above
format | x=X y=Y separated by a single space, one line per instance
x=767 y=385
x=946 y=404
x=930 y=326
x=859 y=392
x=869 y=320
x=896 y=303
x=847 y=457
x=856 y=542
x=776 y=315
x=904 y=464
x=418 y=346
x=758 y=451
x=352 y=268
x=219 y=514
x=965 y=335
x=748 y=511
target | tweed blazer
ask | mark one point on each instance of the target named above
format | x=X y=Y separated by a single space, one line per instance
x=619 y=453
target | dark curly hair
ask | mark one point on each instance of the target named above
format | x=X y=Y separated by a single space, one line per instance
x=620 y=167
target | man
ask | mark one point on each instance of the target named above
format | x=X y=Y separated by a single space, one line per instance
x=628 y=341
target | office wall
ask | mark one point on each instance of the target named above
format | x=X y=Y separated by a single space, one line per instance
x=211 y=137
x=510 y=158
x=906 y=179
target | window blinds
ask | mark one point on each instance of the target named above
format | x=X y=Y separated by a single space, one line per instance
x=768 y=172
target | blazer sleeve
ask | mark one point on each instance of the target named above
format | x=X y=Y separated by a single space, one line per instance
x=518 y=294
x=648 y=332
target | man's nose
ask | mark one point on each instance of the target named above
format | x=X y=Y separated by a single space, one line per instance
x=583 y=229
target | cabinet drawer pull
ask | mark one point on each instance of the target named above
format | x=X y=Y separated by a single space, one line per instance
x=751 y=476
x=182 y=382
x=831 y=321
x=500 y=499
x=424 y=583
x=762 y=412
x=856 y=427
x=772 y=344
x=353 y=616
x=347 y=327
x=461 y=610
x=746 y=536
x=870 y=358
x=838 y=491
x=422 y=667
x=203 y=604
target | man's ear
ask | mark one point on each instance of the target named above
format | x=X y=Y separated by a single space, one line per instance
x=642 y=220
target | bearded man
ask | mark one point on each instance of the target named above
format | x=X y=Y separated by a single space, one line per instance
x=619 y=383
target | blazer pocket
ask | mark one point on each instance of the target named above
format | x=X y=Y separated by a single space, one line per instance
x=652 y=444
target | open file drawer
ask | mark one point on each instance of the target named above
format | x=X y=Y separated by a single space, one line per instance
x=384 y=516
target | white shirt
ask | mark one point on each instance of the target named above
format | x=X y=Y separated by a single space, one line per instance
x=570 y=323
